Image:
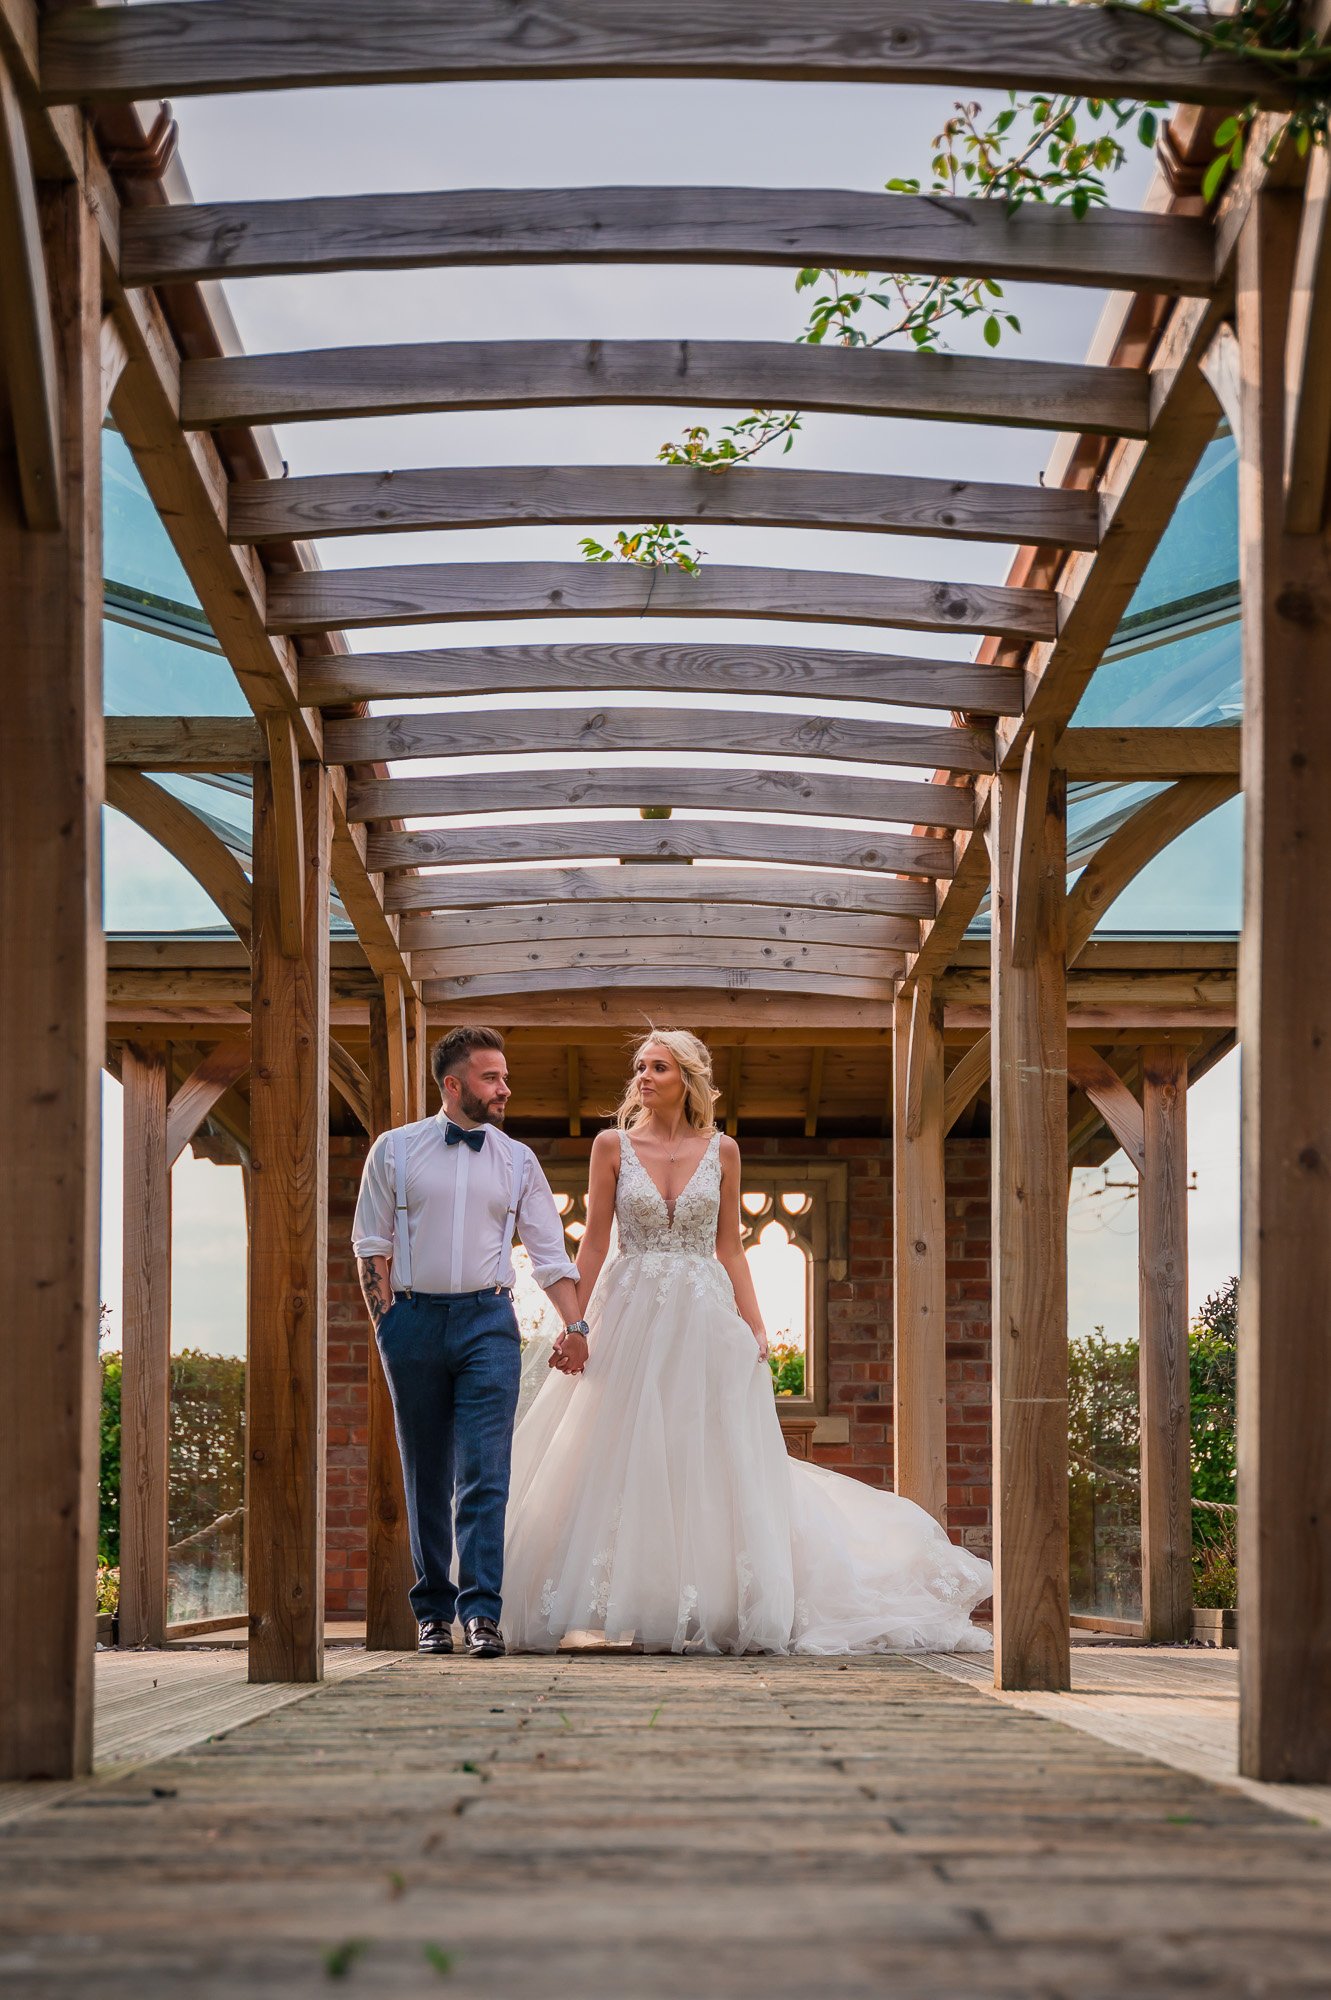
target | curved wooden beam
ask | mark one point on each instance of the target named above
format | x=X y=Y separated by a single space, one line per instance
x=214 y=1076
x=834 y=229
x=534 y=924
x=555 y=980
x=697 y=374
x=660 y=954
x=1128 y=849
x=804 y=847
x=806 y=672
x=351 y=1083
x=176 y=49
x=306 y=601
x=817 y=793
x=506 y=496
x=514 y=732
x=445 y=896
x=1123 y=856
x=195 y=846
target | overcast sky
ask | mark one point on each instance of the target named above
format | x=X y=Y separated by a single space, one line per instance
x=592 y=134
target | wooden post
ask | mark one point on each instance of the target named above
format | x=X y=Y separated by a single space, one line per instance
x=1284 y=1388
x=418 y=1056
x=145 y=1394
x=285 y=1379
x=1030 y=1293
x=1166 y=1413
x=390 y=1623
x=52 y=987
x=919 y=1358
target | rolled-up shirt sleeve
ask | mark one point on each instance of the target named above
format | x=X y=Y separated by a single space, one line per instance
x=541 y=1228
x=372 y=1229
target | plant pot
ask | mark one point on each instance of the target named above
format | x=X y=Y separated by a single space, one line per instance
x=1214 y=1625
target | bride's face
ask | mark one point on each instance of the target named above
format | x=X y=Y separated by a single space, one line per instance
x=660 y=1080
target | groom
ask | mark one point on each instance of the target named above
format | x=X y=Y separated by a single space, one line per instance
x=433 y=1238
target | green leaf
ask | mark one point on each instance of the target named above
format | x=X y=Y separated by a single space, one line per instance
x=993 y=332
x=1225 y=131
x=1214 y=176
x=1147 y=127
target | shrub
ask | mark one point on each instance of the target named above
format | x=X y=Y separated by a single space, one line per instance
x=786 y=1362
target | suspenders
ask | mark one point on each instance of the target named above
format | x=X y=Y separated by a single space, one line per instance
x=402 y=1275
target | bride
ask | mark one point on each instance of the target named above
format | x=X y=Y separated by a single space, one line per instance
x=652 y=1497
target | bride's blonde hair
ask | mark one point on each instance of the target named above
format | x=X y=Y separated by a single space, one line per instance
x=695 y=1066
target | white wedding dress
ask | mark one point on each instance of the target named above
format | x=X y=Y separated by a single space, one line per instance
x=653 y=1499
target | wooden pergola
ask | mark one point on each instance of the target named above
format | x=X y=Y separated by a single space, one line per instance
x=108 y=300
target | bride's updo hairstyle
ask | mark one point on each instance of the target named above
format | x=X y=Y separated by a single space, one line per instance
x=695 y=1066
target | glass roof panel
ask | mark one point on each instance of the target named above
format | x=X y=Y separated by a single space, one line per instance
x=1197 y=561
x=1195 y=885
x=136 y=552
x=146 y=889
x=149 y=673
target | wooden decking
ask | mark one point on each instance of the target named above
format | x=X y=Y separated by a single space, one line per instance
x=638 y=1826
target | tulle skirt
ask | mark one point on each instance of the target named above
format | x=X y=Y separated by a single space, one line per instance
x=653 y=1500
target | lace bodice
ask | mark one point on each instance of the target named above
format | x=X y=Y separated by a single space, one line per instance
x=645 y=1223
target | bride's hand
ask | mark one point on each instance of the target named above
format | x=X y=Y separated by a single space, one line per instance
x=761 y=1339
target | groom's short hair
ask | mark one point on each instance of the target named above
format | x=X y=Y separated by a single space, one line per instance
x=453 y=1050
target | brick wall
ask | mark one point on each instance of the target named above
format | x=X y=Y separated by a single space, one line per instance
x=859 y=1323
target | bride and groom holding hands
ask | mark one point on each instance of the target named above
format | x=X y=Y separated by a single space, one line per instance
x=645 y=1494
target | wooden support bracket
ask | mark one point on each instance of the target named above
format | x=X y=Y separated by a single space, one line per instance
x=1092 y=1075
x=220 y=1069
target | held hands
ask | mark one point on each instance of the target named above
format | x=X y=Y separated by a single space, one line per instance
x=569 y=1353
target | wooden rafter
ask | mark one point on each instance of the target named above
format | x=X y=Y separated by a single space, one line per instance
x=437 y=593
x=684 y=841
x=167 y=49
x=504 y=496
x=545 y=374
x=767 y=789
x=630 y=981
x=540 y=923
x=805 y=672
x=831 y=229
x=922 y=1029
x=570 y=888
x=516 y=731
x=625 y=947
x=185 y=742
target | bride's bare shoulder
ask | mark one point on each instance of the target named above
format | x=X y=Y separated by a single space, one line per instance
x=605 y=1146
x=727 y=1151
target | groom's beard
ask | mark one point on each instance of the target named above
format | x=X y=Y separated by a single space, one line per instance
x=479 y=1113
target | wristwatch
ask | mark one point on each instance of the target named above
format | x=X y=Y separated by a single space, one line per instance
x=578 y=1326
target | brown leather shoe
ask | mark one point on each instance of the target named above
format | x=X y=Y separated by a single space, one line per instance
x=484 y=1639
x=436 y=1636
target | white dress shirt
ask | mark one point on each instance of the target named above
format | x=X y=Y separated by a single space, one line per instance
x=457 y=1203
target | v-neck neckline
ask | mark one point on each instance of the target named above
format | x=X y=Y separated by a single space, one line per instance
x=669 y=1206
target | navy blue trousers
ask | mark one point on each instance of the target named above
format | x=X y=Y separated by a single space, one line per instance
x=453 y=1362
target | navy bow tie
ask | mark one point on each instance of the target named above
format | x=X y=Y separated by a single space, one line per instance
x=455 y=1136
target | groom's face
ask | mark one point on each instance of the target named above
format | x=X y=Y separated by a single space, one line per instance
x=482 y=1086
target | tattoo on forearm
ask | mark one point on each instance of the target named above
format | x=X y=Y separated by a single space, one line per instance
x=372 y=1286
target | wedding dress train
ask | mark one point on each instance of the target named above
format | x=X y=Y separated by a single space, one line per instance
x=653 y=1499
